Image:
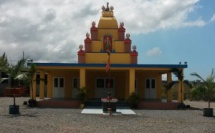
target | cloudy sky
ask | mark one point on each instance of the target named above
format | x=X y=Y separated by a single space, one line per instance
x=164 y=31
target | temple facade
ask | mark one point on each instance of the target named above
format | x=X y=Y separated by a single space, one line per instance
x=108 y=61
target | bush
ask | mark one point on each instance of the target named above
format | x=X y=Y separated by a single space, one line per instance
x=82 y=95
x=133 y=100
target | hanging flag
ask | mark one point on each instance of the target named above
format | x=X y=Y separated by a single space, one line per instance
x=108 y=64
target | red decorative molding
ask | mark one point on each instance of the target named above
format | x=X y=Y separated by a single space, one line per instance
x=127 y=41
x=81 y=56
x=134 y=55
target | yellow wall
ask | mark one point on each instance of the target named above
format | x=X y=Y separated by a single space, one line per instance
x=141 y=79
x=121 y=81
x=96 y=46
x=120 y=58
x=119 y=46
x=67 y=75
x=108 y=21
x=112 y=32
x=120 y=86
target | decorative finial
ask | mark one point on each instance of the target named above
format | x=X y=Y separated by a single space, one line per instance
x=134 y=47
x=93 y=24
x=111 y=8
x=103 y=8
x=121 y=24
x=128 y=35
x=107 y=9
x=87 y=35
x=80 y=46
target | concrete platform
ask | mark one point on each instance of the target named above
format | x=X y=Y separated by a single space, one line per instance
x=99 y=111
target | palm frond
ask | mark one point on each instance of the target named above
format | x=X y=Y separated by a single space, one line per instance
x=190 y=84
x=15 y=70
x=198 y=76
x=178 y=73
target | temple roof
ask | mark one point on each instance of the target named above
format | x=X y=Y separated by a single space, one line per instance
x=107 y=19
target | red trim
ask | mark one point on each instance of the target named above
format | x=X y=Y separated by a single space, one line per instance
x=87 y=40
x=81 y=52
x=93 y=28
x=127 y=41
x=134 y=53
x=121 y=29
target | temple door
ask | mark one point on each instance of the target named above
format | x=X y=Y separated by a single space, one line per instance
x=150 y=89
x=59 y=89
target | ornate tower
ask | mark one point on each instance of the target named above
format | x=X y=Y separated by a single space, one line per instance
x=108 y=37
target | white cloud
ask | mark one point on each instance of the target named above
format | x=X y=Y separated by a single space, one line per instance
x=51 y=30
x=154 y=51
x=212 y=18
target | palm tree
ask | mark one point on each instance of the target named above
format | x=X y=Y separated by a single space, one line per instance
x=30 y=77
x=4 y=65
x=15 y=71
x=179 y=74
x=208 y=85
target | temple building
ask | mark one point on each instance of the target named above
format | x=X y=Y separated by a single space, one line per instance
x=108 y=61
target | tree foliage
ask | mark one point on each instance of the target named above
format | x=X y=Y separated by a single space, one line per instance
x=205 y=89
x=4 y=65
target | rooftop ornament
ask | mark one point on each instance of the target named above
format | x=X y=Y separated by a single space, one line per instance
x=134 y=48
x=107 y=8
x=111 y=8
x=93 y=24
x=127 y=35
x=87 y=35
x=80 y=47
x=103 y=8
x=121 y=24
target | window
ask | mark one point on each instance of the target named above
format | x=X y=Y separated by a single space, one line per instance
x=75 y=83
x=38 y=78
x=150 y=83
x=147 y=83
x=46 y=79
x=100 y=83
x=103 y=83
x=61 y=82
x=55 y=82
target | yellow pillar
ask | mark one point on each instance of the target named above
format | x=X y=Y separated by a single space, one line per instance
x=131 y=81
x=42 y=84
x=181 y=90
x=82 y=78
x=33 y=89
x=169 y=93
x=50 y=85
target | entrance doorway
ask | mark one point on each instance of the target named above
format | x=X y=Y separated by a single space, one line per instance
x=102 y=87
x=150 y=88
x=59 y=89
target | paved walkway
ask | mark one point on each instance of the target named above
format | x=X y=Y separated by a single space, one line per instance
x=99 y=111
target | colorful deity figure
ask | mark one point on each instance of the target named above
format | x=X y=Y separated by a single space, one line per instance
x=107 y=44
